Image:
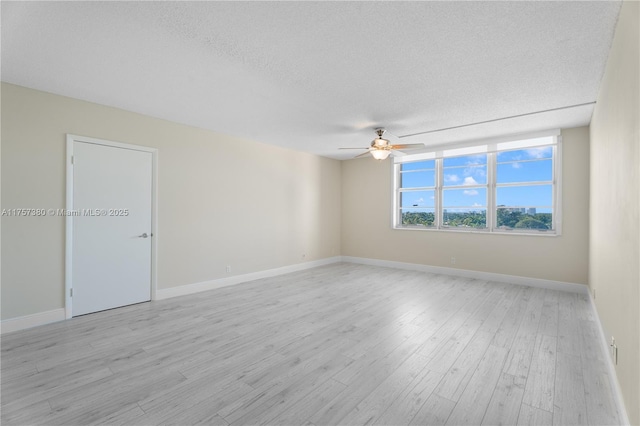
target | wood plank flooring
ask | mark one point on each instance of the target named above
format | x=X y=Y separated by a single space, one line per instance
x=339 y=344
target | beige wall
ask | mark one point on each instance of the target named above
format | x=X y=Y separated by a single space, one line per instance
x=614 y=255
x=222 y=201
x=367 y=232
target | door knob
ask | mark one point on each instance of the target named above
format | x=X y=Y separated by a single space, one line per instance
x=143 y=235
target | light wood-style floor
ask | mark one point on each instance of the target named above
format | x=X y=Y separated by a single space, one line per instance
x=339 y=344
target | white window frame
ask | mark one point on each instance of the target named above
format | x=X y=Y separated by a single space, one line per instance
x=491 y=147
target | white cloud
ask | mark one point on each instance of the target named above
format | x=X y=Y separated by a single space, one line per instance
x=469 y=180
x=516 y=165
x=478 y=170
x=470 y=192
x=451 y=178
x=420 y=200
x=476 y=205
x=477 y=159
x=539 y=152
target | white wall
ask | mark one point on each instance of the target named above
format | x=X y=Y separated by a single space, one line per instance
x=222 y=201
x=367 y=232
x=614 y=256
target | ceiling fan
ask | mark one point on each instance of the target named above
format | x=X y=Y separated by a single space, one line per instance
x=381 y=148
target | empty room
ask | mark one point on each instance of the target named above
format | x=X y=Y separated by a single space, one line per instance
x=320 y=213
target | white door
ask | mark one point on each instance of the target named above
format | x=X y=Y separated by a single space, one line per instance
x=112 y=205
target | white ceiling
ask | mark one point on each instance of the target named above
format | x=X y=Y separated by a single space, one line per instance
x=315 y=76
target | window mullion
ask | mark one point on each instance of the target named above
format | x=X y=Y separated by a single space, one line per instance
x=438 y=192
x=491 y=191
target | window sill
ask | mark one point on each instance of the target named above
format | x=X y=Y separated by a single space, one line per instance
x=479 y=231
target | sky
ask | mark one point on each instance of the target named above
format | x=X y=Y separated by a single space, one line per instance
x=463 y=175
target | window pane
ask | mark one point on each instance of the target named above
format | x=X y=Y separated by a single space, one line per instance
x=419 y=199
x=418 y=179
x=463 y=218
x=526 y=154
x=466 y=160
x=524 y=218
x=467 y=170
x=423 y=217
x=470 y=198
x=525 y=171
x=525 y=196
x=418 y=165
x=460 y=176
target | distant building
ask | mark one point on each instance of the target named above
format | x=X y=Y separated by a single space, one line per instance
x=531 y=211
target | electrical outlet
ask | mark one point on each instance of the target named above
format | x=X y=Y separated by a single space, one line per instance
x=453 y=260
x=228 y=268
x=304 y=255
x=614 y=350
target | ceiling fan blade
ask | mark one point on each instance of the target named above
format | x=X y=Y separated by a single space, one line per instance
x=361 y=155
x=353 y=148
x=408 y=146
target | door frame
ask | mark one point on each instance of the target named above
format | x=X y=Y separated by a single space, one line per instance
x=68 y=263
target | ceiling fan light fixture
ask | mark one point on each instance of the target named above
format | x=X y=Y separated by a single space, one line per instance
x=380 y=154
x=380 y=142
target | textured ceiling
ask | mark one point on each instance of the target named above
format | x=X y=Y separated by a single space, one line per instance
x=315 y=76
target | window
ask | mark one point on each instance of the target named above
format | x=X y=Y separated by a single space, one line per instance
x=417 y=198
x=464 y=192
x=505 y=187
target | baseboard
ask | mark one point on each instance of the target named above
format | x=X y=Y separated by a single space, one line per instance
x=34 y=320
x=42 y=318
x=611 y=369
x=184 y=290
x=21 y=323
x=488 y=276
